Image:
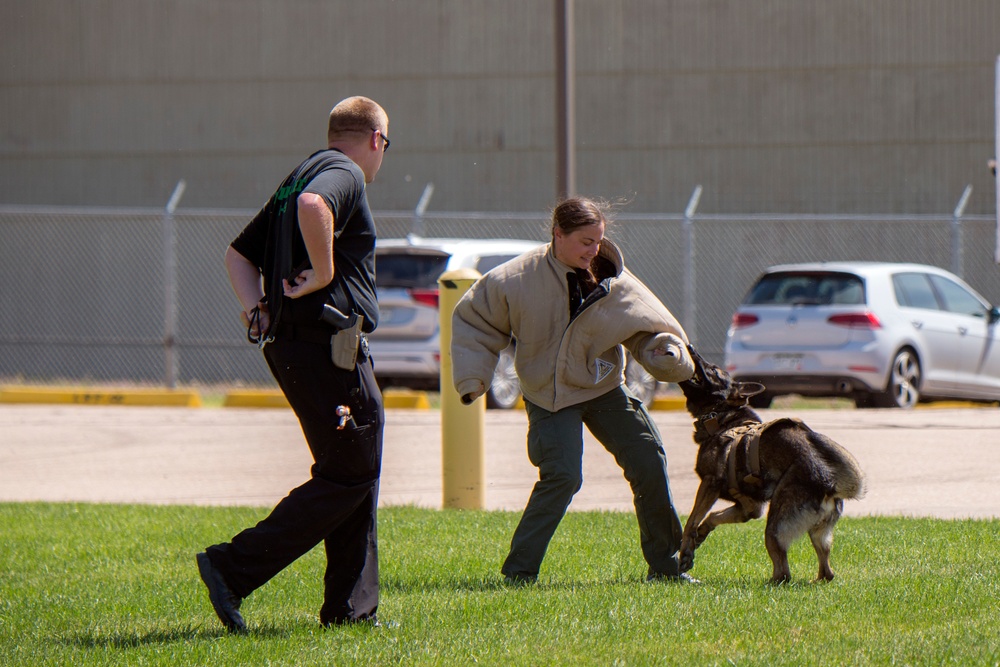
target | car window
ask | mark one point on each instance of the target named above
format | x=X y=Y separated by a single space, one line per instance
x=914 y=290
x=409 y=270
x=957 y=299
x=487 y=262
x=807 y=288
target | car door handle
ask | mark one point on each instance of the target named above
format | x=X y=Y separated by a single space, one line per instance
x=917 y=324
x=962 y=331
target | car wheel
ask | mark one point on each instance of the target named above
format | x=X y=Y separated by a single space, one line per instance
x=639 y=381
x=505 y=392
x=904 y=382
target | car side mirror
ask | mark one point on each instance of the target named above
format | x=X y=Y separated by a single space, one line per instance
x=994 y=314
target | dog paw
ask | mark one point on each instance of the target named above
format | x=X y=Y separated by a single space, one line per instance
x=686 y=560
x=823 y=576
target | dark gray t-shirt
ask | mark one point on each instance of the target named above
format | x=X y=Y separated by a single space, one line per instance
x=341 y=183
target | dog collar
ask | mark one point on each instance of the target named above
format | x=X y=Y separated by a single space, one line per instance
x=711 y=422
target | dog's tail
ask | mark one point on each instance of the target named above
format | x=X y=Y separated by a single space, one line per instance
x=849 y=480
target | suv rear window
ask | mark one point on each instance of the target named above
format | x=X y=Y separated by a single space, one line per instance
x=409 y=270
x=807 y=288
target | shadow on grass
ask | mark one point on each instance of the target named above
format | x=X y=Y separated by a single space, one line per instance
x=127 y=639
x=725 y=584
x=456 y=584
x=472 y=584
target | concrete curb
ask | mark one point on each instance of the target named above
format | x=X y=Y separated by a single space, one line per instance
x=669 y=403
x=391 y=398
x=255 y=399
x=406 y=400
x=101 y=396
x=397 y=399
x=955 y=405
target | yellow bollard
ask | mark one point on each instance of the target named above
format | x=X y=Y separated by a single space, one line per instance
x=463 y=470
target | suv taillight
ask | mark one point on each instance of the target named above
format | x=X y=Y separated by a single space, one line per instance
x=741 y=320
x=865 y=320
x=428 y=297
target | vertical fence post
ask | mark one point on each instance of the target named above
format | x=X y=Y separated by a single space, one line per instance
x=170 y=287
x=957 y=249
x=689 y=288
x=565 y=100
x=417 y=225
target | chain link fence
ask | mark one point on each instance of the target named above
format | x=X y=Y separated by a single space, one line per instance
x=141 y=297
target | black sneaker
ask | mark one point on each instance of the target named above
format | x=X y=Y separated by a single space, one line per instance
x=224 y=601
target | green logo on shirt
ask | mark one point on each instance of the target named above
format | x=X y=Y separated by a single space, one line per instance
x=287 y=191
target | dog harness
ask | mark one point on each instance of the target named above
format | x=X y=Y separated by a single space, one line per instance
x=746 y=437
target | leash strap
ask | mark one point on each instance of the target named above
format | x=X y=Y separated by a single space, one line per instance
x=257 y=339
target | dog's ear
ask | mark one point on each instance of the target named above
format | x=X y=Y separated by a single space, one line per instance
x=748 y=389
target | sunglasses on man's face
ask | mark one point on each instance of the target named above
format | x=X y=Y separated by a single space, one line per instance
x=385 y=138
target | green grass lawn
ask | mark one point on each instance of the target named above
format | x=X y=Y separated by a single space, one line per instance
x=117 y=585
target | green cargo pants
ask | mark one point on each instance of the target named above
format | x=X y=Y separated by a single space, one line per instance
x=622 y=424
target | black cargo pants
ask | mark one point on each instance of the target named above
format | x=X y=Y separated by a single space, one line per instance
x=337 y=506
x=555 y=446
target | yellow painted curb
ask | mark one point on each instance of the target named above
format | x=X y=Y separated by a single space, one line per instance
x=391 y=398
x=947 y=405
x=406 y=400
x=255 y=399
x=669 y=403
x=92 y=396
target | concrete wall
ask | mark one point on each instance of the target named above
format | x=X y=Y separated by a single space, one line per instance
x=840 y=106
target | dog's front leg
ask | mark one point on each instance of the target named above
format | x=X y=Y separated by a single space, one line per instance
x=703 y=501
x=740 y=512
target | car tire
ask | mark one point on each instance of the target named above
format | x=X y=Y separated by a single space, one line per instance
x=903 y=390
x=638 y=380
x=505 y=391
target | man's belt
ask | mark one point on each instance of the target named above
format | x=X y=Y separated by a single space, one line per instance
x=317 y=335
x=304 y=333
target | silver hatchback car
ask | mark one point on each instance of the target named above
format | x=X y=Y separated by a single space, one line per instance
x=883 y=334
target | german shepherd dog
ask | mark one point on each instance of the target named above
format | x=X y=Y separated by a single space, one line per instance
x=804 y=475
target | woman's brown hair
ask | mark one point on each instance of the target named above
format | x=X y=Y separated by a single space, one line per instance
x=575 y=212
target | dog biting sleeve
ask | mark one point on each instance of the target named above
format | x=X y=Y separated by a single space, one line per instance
x=672 y=364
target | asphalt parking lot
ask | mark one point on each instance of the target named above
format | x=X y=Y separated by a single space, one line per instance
x=925 y=462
